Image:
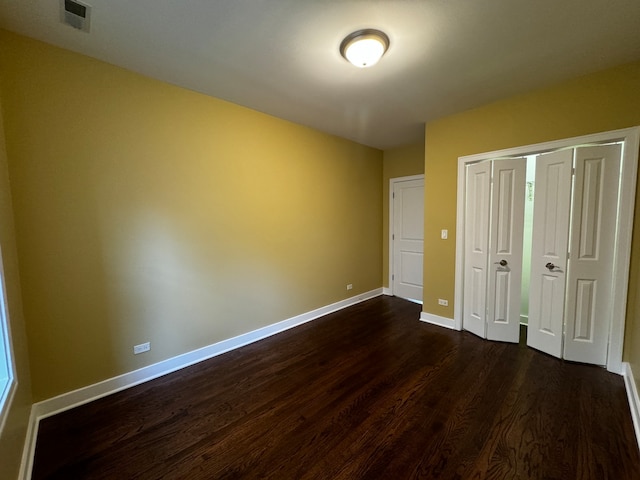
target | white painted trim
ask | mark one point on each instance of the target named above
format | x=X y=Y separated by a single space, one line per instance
x=29 y=449
x=387 y=291
x=437 y=320
x=9 y=392
x=536 y=148
x=634 y=400
x=624 y=229
x=8 y=360
x=87 y=394
x=622 y=254
x=392 y=182
x=459 y=285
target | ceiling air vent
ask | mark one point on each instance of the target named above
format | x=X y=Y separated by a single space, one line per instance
x=76 y=14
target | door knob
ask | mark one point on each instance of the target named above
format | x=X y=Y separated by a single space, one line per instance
x=502 y=263
x=551 y=266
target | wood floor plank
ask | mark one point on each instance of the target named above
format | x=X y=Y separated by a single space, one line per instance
x=365 y=393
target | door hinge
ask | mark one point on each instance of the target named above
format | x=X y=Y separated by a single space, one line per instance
x=573 y=170
x=393 y=277
x=393 y=236
x=393 y=195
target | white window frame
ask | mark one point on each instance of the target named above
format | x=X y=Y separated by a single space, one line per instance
x=8 y=381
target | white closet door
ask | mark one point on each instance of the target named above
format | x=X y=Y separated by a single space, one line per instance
x=551 y=209
x=476 y=245
x=593 y=226
x=505 y=258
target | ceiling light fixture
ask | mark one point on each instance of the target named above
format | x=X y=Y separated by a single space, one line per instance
x=364 y=48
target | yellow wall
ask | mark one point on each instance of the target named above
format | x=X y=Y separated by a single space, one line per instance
x=146 y=212
x=13 y=434
x=397 y=162
x=599 y=102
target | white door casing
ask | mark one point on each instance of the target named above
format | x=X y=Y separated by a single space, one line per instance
x=505 y=252
x=407 y=238
x=593 y=228
x=478 y=190
x=551 y=209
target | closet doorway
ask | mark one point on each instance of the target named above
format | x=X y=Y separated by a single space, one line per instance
x=575 y=256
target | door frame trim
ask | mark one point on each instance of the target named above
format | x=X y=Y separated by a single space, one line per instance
x=624 y=224
x=392 y=182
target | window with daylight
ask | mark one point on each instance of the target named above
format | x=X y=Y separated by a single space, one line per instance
x=7 y=377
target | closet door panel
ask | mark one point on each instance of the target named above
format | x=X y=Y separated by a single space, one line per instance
x=476 y=247
x=593 y=226
x=506 y=244
x=549 y=251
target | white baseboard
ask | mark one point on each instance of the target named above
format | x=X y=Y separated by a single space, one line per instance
x=437 y=320
x=387 y=291
x=632 y=396
x=75 y=398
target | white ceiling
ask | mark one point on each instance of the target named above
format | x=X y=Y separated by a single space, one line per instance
x=281 y=56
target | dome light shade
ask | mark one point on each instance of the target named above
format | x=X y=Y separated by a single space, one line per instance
x=365 y=47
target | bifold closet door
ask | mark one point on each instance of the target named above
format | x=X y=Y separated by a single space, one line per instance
x=551 y=209
x=571 y=275
x=494 y=211
x=570 y=294
x=590 y=276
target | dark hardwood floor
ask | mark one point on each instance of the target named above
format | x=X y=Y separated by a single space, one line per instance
x=365 y=393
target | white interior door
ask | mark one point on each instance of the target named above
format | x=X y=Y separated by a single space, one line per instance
x=551 y=208
x=590 y=275
x=505 y=257
x=408 y=238
x=476 y=247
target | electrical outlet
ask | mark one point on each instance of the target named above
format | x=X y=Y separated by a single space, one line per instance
x=350 y=286
x=444 y=234
x=143 y=347
x=443 y=302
